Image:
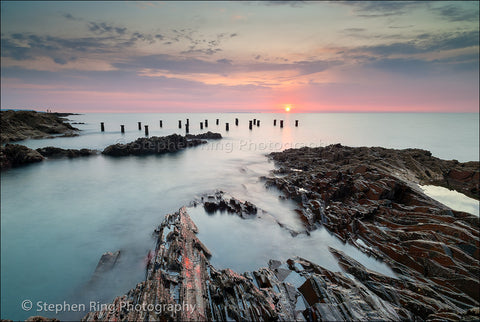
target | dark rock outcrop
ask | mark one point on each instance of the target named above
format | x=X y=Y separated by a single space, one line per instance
x=205 y=136
x=219 y=201
x=414 y=165
x=54 y=152
x=365 y=196
x=21 y=125
x=14 y=155
x=155 y=145
x=106 y=263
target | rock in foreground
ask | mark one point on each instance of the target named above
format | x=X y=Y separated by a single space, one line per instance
x=182 y=285
x=22 y=125
x=159 y=145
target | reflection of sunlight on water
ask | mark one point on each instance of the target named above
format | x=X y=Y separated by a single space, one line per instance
x=452 y=199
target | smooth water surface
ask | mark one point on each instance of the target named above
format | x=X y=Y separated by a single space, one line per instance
x=452 y=199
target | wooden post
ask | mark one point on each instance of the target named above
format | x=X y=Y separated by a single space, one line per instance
x=188 y=122
x=227 y=127
x=179 y=124
x=254 y=121
x=206 y=123
x=102 y=127
x=258 y=122
x=218 y=120
x=146 y=130
x=250 y=124
x=281 y=123
x=201 y=125
x=296 y=123
x=161 y=123
x=236 y=122
x=122 y=128
x=187 y=128
x=274 y=122
x=139 y=126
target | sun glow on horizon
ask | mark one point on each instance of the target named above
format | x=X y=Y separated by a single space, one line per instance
x=287 y=108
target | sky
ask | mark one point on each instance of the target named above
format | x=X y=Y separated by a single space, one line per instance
x=246 y=56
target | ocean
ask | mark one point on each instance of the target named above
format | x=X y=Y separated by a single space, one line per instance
x=59 y=217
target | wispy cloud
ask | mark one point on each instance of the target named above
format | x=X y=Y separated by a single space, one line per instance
x=459 y=13
x=376 y=9
x=103 y=28
x=424 y=43
x=69 y=16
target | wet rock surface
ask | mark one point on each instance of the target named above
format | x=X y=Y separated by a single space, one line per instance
x=105 y=264
x=220 y=201
x=158 y=145
x=182 y=285
x=54 y=152
x=363 y=196
x=22 y=125
x=14 y=155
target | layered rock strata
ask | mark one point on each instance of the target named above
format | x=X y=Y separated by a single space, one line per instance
x=182 y=285
x=364 y=196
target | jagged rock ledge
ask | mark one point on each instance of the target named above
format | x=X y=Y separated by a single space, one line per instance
x=220 y=201
x=159 y=145
x=182 y=285
x=368 y=197
x=22 y=125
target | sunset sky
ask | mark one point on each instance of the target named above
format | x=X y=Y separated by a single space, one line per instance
x=247 y=56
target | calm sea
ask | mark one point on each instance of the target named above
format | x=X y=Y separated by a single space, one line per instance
x=59 y=217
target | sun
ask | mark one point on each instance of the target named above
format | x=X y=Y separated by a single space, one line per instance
x=287 y=108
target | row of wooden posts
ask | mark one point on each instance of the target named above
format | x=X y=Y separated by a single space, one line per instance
x=251 y=123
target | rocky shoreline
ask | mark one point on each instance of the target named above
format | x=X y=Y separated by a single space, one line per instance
x=366 y=197
x=14 y=155
x=22 y=125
